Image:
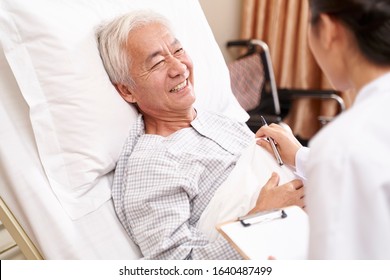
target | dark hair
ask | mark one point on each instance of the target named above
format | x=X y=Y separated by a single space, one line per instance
x=369 y=21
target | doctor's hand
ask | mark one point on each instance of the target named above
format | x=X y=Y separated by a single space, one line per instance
x=285 y=141
x=273 y=196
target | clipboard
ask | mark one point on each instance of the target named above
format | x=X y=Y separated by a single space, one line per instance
x=280 y=233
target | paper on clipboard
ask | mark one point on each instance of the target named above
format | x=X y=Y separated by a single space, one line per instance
x=264 y=235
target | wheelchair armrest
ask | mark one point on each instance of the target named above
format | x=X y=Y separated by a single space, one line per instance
x=238 y=43
x=312 y=94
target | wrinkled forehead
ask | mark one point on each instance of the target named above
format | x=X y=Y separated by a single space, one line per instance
x=150 y=39
x=149 y=31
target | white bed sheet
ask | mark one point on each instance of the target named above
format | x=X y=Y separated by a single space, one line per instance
x=27 y=192
x=239 y=192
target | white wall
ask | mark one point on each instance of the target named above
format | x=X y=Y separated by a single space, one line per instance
x=224 y=17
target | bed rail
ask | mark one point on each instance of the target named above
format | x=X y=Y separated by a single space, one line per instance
x=18 y=234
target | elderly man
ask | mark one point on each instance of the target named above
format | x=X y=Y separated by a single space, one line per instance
x=176 y=156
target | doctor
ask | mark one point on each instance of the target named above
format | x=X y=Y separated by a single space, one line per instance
x=348 y=164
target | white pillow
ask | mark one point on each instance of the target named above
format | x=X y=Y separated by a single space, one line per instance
x=79 y=121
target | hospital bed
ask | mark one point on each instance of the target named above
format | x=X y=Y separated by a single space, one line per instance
x=62 y=124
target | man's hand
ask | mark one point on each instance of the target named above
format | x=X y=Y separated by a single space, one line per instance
x=274 y=196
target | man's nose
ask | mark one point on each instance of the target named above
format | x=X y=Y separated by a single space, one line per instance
x=176 y=67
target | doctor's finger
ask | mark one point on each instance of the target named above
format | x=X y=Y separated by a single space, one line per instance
x=273 y=130
x=264 y=144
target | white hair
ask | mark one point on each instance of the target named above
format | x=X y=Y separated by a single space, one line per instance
x=112 y=38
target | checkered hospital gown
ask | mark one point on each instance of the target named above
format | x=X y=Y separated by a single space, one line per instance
x=163 y=184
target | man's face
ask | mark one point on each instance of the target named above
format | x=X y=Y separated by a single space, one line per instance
x=162 y=73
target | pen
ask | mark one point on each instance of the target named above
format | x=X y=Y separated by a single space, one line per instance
x=273 y=145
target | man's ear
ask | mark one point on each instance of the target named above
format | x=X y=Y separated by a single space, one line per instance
x=125 y=92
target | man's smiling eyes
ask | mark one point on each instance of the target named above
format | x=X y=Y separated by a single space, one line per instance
x=177 y=53
x=157 y=64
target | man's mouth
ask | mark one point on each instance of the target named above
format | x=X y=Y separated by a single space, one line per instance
x=179 y=86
